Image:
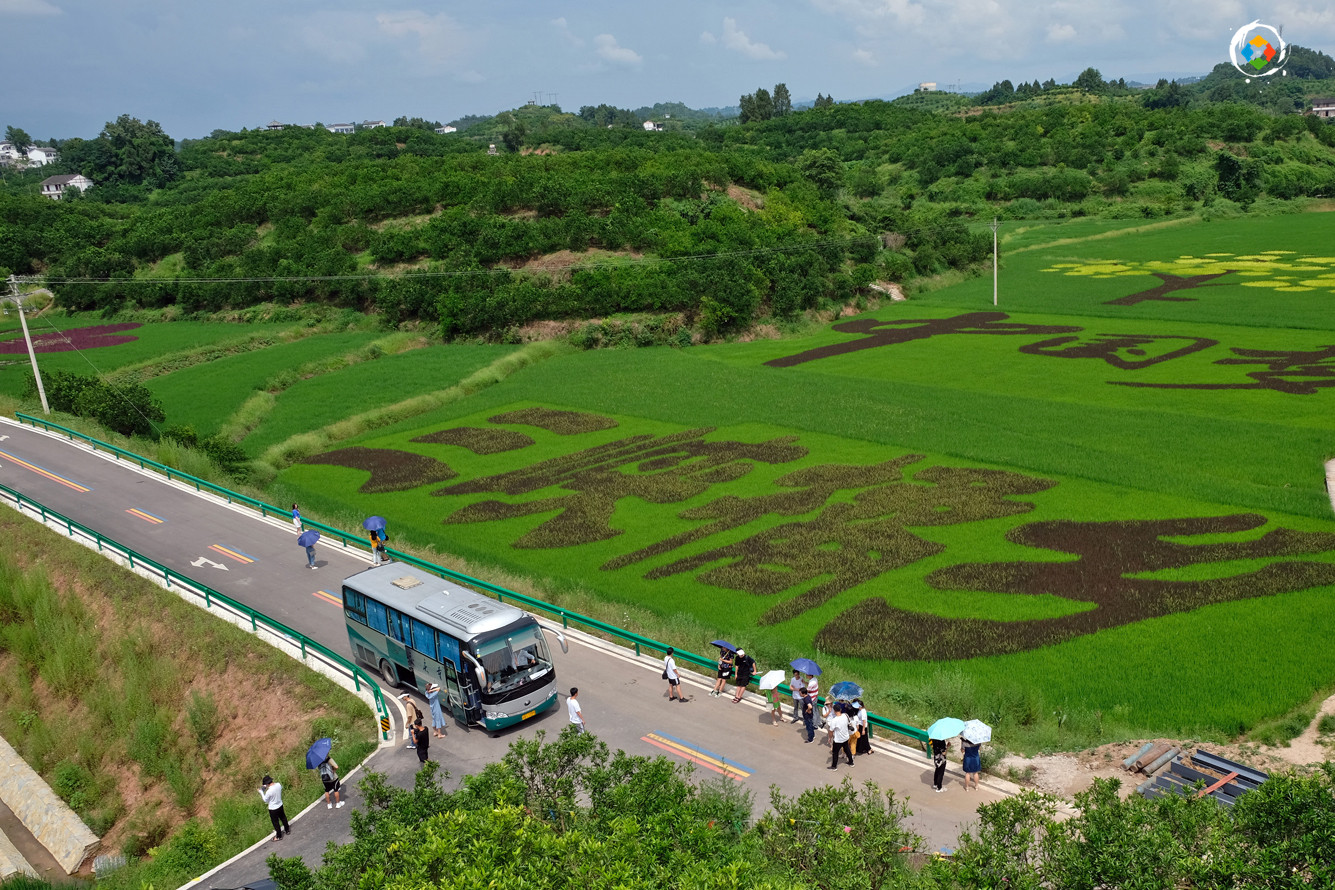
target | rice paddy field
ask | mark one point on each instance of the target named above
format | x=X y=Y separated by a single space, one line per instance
x=1093 y=510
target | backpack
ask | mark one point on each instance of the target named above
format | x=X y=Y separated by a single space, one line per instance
x=326 y=771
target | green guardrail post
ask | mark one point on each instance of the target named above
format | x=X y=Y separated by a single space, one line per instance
x=303 y=648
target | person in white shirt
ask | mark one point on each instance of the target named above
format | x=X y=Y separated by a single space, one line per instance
x=272 y=793
x=575 y=711
x=670 y=674
x=796 y=686
x=840 y=732
x=863 y=724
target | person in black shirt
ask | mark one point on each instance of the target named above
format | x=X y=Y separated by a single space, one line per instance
x=746 y=666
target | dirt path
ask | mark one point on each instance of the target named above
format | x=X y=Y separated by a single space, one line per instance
x=1068 y=774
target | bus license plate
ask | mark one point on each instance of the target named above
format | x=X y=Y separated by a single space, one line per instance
x=528 y=715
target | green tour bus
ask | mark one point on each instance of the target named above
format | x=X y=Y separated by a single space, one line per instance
x=490 y=659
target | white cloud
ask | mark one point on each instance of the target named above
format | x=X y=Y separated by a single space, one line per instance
x=563 y=28
x=864 y=57
x=1060 y=33
x=873 y=14
x=336 y=36
x=708 y=39
x=607 y=47
x=28 y=7
x=735 y=39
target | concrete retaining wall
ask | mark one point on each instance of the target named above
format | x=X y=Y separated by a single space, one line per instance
x=12 y=862
x=48 y=817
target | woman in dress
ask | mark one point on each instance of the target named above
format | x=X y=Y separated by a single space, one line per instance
x=973 y=763
x=437 y=716
x=864 y=728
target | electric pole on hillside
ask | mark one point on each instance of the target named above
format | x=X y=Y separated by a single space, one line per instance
x=994 y=261
x=32 y=353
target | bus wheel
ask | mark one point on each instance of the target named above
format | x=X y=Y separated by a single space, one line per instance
x=387 y=672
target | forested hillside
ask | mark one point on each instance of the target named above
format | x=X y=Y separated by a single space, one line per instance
x=724 y=223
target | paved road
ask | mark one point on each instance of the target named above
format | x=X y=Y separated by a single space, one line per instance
x=257 y=562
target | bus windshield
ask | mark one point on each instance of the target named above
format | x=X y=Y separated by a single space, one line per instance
x=513 y=658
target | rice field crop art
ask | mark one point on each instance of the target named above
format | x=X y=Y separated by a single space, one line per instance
x=890 y=560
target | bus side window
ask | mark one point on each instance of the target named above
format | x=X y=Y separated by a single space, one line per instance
x=354 y=604
x=424 y=639
x=375 y=616
x=396 y=626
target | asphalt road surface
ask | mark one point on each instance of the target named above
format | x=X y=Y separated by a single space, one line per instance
x=258 y=562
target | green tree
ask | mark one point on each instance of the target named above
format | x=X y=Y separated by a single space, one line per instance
x=20 y=139
x=1091 y=81
x=823 y=101
x=136 y=153
x=513 y=131
x=823 y=167
x=783 y=102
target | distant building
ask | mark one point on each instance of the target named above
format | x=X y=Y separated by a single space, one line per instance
x=275 y=125
x=9 y=151
x=1324 y=108
x=446 y=129
x=927 y=86
x=650 y=126
x=54 y=186
x=342 y=128
x=41 y=155
x=371 y=125
x=491 y=149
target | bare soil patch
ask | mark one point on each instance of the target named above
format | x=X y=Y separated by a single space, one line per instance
x=748 y=199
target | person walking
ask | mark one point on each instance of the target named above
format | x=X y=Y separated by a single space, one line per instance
x=376 y=548
x=939 y=749
x=414 y=716
x=437 y=715
x=421 y=739
x=797 y=686
x=973 y=763
x=723 y=673
x=840 y=732
x=328 y=770
x=809 y=714
x=310 y=555
x=863 y=723
x=776 y=707
x=272 y=794
x=575 y=711
x=670 y=674
x=296 y=518
x=746 y=666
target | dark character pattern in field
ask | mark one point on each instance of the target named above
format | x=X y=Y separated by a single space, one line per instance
x=390 y=469
x=1112 y=556
x=478 y=439
x=1171 y=284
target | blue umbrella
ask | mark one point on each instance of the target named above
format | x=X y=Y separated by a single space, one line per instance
x=318 y=752
x=845 y=691
x=374 y=523
x=308 y=538
x=724 y=644
x=945 y=728
x=806 y=666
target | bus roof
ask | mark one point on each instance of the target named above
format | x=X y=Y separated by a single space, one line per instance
x=415 y=592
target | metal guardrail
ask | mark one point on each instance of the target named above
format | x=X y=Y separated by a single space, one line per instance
x=636 y=641
x=136 y=559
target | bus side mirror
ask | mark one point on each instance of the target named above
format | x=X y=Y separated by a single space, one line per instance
x=477 y=669
x=560 y=637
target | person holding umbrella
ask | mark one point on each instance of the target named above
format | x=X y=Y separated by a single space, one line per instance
x=770 y=682
x=318 y=758
x=307 y=539
x=972 y=737
x=375 y=527
x=939 y=733
x=725 y=656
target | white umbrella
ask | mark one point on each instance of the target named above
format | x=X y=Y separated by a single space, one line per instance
x=976 y=732
x=772 y=679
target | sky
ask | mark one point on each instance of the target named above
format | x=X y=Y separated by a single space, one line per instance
x=199 y=65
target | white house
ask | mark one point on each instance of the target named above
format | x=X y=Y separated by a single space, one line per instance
x=1324 y=108
x=927 y=86
x=9 y=151
x=54 y=186
x=341 y=128
x=41 y=155
x=650 y=126
x=446 y=129
x=371 y=125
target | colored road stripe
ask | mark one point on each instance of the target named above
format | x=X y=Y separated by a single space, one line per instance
x=701 y=756
x=235 y=554
x=40 y=471
x=145 y=515
x=328 y=597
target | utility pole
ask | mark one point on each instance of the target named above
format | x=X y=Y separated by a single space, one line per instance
x=32 y=353
x=994 y=261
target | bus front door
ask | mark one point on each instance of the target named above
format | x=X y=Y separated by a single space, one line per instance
x=454 y=695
